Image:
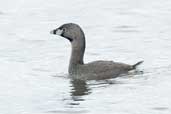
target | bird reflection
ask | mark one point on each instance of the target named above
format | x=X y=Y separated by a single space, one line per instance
x=79 y=89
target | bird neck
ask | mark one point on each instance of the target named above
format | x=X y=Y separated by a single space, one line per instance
x=77 y=55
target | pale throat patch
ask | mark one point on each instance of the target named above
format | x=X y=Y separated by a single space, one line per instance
x=59 y=32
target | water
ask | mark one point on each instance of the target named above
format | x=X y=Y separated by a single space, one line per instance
x=33 y=63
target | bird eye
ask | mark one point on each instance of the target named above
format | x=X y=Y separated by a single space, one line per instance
x=64 y=29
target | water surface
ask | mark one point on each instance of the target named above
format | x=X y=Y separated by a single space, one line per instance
x=33 y=63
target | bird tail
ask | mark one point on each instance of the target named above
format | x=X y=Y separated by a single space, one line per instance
x=135 y=65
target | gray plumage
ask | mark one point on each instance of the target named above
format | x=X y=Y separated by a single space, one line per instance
x=94 y=70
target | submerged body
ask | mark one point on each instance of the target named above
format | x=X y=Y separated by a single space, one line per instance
x=99 y=70
x=95 y=70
